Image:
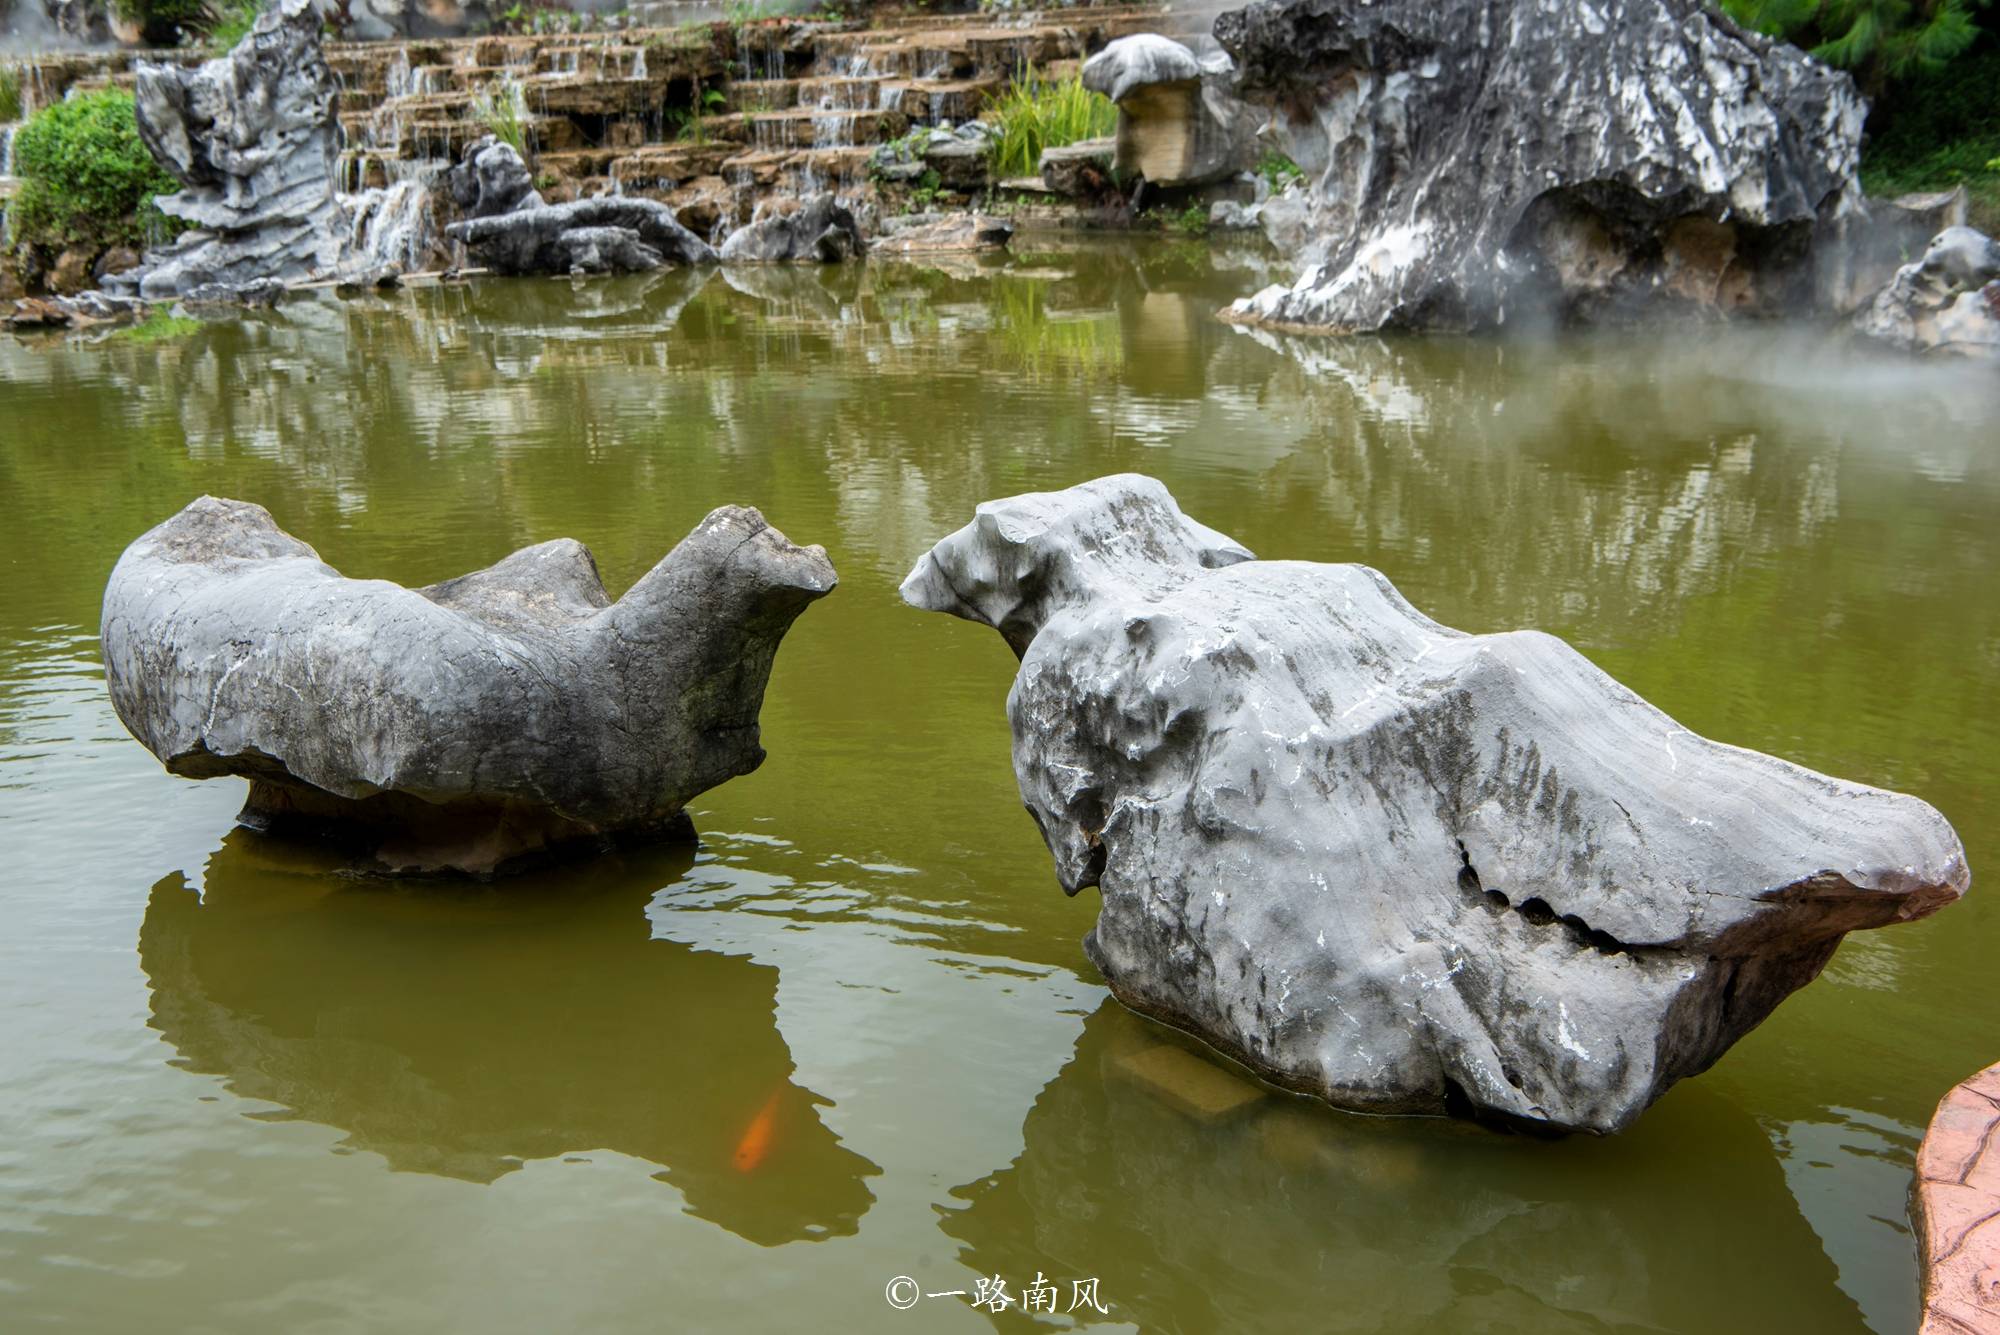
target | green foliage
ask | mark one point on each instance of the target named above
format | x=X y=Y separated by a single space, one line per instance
x=163 y=22
x=1940 y=132
x=1190 y=221
x=85 y=175
x=10 y=94
x=233 y=21
x=159 y=326
x=923 y=192
x=1278 y=170
x=1880 y=40
x=500 y=107
x=1032 y=115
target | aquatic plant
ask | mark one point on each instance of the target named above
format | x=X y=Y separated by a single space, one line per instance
x=500 y=107
x=159 y=326
x=85 y=175
x=1033 y=114
x=1278 y=170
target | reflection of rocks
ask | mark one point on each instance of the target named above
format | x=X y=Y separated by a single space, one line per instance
x=1477 y=160
x=461 y=1032
x=464 y=724
x=1393 y=865
x=1289 y=1217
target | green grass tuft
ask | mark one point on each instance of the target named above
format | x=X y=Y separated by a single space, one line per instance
x=159 y=326
x=1033 y=115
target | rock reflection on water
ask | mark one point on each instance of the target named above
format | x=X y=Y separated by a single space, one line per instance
x=461 y=1030
x=1283 y=1215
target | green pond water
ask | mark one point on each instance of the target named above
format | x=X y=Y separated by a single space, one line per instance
x=853 y=1035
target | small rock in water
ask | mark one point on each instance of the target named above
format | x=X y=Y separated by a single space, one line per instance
x=463 y=725
x=822 y=229
x=1394 y=865
x=1200 y=1089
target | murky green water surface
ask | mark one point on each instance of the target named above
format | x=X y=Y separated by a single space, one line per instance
x=853 y=1036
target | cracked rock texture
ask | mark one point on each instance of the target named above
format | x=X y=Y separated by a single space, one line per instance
x=609 y=234
x=1477 y=160
x=461 y=725
x=1957 y=1209
x=490 y=180
x=1946 y=301
x=822 y=229
x=252 y=137
x=1390 y=864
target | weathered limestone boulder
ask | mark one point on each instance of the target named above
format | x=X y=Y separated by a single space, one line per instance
x=464 y=724
x=490 y=180
x=252 y=137
x=1178 y=122
x=609 y=234
x=1947 y=301
x=1956 y=1208
x=927 y=234
x=1390 y=864
x=1473 y=160
x=822 y=229
x=1081 y=170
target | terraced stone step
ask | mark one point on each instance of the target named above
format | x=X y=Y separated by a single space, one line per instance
x=811 y=127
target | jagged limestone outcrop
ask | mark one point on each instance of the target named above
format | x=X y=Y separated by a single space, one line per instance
x=1478 y=161
x=251 y=136
x=610 y=234
x=822 y=229
x=490 y=180
x=1946 y=301
x=461 y=725
x=1390 y=864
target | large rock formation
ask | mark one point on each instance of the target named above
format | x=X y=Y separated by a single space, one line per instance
x=460 y=725
x=821 y=229
x=1390 y=864
x=1946 y=301
x=252 y=137
x=1477 y=160
x=609 y=234
x=1178 y=123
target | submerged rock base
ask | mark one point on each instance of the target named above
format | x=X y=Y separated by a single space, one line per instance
x=1390 y=864
x=460 y=726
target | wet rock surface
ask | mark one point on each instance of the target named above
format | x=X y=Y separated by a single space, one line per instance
x=1481 y=160
x=606 y=235
x=1947 y=301
x=822 y=229
x=463 y=725
x=1390 y=864
x=251 y=136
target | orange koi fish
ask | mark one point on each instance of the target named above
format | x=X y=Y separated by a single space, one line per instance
x=756 y=1141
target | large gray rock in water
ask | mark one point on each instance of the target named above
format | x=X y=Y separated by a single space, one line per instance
x=1390 y=864
x=1472 y=161
x=609 y=234
x=460 y=725
x=822 y=229
x=252 y=137
x=490 y=180
x=1178 y=121
x=1947 y=301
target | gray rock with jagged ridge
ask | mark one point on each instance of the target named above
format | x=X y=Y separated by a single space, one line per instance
x=463 y=725
x=1946 y=301
x=1390 y=864
x=608 y=234
x=1475 y=162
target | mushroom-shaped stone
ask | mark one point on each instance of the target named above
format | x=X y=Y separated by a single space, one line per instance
x=1394 y=865
x=461 y=725
x=1174 y=127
